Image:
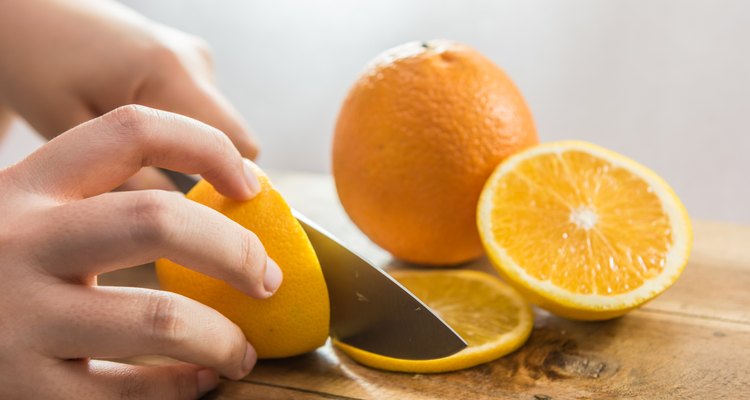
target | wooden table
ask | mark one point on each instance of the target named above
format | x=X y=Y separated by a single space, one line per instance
x=692 y=342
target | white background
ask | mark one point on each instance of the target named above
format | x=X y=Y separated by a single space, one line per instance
x=664 y=82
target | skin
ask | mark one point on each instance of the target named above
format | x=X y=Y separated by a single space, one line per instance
x=61 y=228
x=72 y=67
x=73 y=60
x=5 y=120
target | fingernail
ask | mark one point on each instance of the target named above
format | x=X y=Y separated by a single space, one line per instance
x=252 y=180
x=207 y=381
x=272 y=279
x=250 y=358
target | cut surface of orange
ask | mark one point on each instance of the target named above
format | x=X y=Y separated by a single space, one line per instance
x=491 y=316
x=583 y=231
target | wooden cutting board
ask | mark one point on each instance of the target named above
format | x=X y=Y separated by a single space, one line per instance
x=692 y=342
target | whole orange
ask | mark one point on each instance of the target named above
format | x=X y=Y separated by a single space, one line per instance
x=416 y=138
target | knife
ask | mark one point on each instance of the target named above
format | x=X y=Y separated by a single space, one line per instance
x=369 y=309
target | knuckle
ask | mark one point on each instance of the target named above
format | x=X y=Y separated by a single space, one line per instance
x=230 y=353
x=152 y=216
x=253 y=257
x=131 y=120
x=164 y=319
x=165 y=58
x=220 y=142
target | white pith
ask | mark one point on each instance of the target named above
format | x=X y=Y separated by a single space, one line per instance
x=584 y=217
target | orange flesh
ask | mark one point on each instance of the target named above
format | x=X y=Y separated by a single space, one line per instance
x=605 y=231
x=479 y=318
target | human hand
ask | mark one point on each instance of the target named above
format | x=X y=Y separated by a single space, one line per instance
x=5 y=120
x=67 y=62
x=60 y=229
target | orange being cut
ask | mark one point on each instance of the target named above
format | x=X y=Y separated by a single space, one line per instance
x=292 y=321
x=583 y=231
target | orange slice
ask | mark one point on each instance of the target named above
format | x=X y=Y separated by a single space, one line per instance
x=491 y=316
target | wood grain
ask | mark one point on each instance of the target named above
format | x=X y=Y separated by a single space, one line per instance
x=692 y=342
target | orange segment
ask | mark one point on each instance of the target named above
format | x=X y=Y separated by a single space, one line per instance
x=586 y=231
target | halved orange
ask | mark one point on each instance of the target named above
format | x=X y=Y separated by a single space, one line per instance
x=583 y=231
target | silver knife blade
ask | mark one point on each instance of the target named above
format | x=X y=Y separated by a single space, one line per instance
x=369 y=309
x=372 y=311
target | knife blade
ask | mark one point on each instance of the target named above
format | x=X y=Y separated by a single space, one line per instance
x=372 y=311
x=369 y=309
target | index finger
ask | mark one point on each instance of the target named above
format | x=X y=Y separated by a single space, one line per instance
x=101 y=154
